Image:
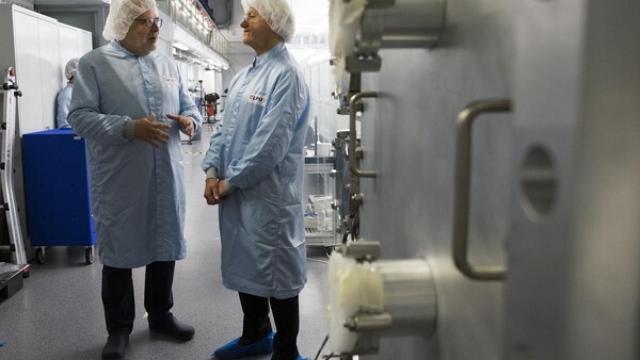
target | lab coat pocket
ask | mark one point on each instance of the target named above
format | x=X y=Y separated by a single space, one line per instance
x=122 y=190
x=260 y=216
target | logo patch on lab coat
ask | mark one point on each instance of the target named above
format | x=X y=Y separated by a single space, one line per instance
x=170 y=80
x=257 y=99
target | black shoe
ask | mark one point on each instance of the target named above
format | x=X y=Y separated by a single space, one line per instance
x=170 y=326
x=115 y=346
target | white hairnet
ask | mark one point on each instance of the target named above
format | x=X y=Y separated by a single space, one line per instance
x=121 y=16
x=71 y=68
x=276 y=13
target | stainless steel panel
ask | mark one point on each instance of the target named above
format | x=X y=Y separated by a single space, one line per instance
x=409 y=135
x=573 y=289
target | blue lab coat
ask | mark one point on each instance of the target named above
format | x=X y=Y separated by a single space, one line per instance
x=137 y=190
x=63 y=100
x=259 y=151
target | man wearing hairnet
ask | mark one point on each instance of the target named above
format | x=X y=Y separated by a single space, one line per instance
x=63 y=100
x=254 y=169
x=130 y=104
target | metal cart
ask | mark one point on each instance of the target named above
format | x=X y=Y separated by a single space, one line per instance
x=57 y=192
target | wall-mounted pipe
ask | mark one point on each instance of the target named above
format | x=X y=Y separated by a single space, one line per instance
x=360 y=28
x=371 y=298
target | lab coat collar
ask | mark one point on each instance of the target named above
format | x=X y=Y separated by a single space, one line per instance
x=115 y=44
x=274 y=51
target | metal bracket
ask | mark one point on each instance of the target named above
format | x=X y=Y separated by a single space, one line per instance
x=353 y=149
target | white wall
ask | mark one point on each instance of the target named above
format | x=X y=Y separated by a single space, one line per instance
x=212 y=81
x=38 y=72
x=38 y=47
x=42 y=47
x=192 y=73
x=73 y=44
x=318 y=77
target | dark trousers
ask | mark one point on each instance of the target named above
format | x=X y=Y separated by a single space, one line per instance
x=118 y=300
x=256 y=323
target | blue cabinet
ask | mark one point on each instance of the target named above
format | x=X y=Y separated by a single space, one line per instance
x=57 y=192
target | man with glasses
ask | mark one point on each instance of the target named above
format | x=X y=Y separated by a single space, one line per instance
x=130 y=104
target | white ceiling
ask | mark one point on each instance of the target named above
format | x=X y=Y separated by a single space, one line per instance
x=233 y=33
x=71 y=2
x=312 y=17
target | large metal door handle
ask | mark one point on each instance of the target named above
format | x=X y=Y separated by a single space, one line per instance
x=462 y=194
x=354 y=151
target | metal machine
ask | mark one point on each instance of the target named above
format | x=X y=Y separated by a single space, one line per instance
x=370 y=299
x=11 y=274
x=359 y=30
x=10 y=93
x=506 y=159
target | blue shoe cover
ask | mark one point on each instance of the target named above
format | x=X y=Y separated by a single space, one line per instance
x=301 y=358
x=232 y=350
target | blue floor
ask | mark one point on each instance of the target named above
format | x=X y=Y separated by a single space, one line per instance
x=58 y=314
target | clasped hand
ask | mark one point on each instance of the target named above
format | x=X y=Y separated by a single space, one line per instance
x=215 y=190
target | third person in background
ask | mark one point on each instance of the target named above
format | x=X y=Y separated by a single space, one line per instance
x=254 y=169
x=63 y=99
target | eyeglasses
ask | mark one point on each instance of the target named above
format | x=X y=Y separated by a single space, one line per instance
x=151 y=21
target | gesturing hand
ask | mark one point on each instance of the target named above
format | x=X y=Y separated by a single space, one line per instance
x=151 y=131
x=185 y=123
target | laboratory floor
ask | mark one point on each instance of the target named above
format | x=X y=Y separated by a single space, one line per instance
x=58 y=314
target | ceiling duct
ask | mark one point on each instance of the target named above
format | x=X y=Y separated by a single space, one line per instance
x=222 y=11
